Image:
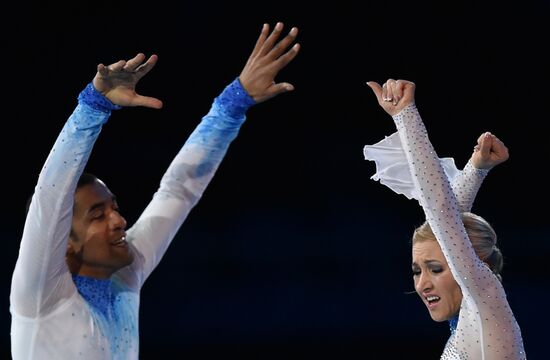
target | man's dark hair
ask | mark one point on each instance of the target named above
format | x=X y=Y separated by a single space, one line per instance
x=85 y=179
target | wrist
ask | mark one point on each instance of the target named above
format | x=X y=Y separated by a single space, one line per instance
x=93 y=98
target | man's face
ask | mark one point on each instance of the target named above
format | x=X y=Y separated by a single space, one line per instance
x=97 y=243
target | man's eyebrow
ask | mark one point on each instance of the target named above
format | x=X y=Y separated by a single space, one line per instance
x=100 y=204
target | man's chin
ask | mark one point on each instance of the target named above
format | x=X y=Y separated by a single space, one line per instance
x=130 y=259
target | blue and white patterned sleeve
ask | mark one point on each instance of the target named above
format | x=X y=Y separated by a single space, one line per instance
x=41 y=277
x=186 y=179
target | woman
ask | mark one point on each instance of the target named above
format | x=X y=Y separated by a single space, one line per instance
x=456 y=263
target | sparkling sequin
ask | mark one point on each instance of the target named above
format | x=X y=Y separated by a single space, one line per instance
x=97 y=292
x=234 y=100
x=94 y=99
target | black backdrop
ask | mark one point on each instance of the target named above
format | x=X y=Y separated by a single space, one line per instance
x=292 y=250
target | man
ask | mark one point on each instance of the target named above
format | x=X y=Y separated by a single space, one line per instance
x=76 y=284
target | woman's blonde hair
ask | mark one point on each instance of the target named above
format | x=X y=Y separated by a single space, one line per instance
x=481 y=234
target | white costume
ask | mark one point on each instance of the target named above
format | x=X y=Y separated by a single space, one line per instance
x=407 y=163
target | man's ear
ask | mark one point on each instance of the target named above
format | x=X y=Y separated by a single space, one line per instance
x=70 y=248
x=72 y=257
x=73 y=246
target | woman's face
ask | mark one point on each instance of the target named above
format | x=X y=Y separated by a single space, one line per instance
x=434 y=282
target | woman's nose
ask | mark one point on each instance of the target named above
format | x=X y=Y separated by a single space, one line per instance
x=424 y=283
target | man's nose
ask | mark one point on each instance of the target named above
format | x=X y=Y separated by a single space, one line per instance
x=118 y=221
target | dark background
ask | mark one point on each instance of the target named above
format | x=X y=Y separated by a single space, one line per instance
x=293 y=250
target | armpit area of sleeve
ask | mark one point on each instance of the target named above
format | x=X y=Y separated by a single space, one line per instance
x=392 y=167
